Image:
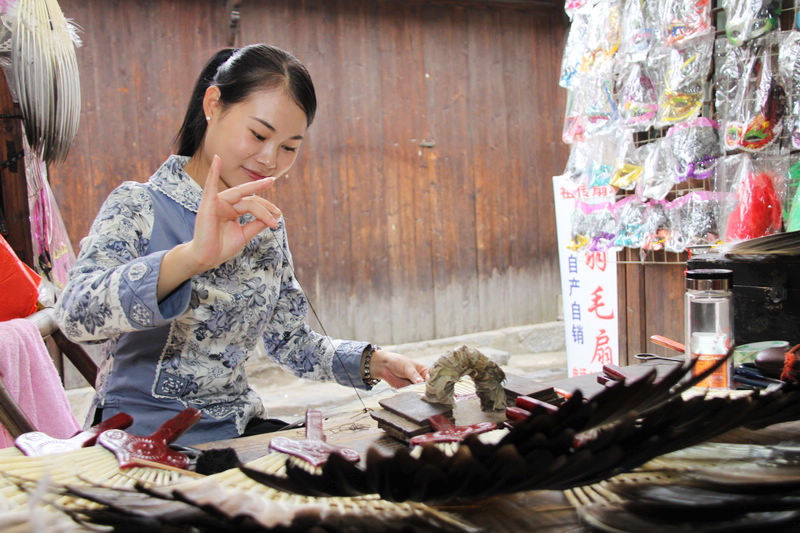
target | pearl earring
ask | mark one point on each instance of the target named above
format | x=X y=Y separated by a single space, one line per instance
x=208 y=117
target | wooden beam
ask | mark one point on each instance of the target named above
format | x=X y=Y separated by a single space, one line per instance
x=13 y=184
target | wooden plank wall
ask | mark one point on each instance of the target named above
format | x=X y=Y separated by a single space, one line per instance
x=421 y=204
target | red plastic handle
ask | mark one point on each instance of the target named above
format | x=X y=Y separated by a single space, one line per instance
x=668 y=343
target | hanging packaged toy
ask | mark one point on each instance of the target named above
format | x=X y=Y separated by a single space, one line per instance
x=694 y=148
x=789 y=70
x=601 y=115
x=656 y=226
x=574 y=51
x=749 y=19
x=676 y=240
x=730 y=63
x=658 y=176
x=684 y=78
x=575 y=169
x=629 y=213
x=638 y=98
x=630 y=165
x=754 y=198
x=682 y=20
x=605 y=227
x=574 y=7
x=603 y=37
x=627 y=163
x=601 y=153
x=797 y=14
x=792 y=219
x=637 y=30
x=693 y=221
x=592 y=227
x=755 y=117
x=574 y=130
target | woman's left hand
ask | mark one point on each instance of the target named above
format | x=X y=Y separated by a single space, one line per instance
x=397 y=370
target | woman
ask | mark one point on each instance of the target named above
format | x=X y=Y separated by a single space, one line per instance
x=185 y=274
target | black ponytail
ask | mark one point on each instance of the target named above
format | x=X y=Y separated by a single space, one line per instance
x=237 y=73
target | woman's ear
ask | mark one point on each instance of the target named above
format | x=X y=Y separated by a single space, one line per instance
x=211 y=103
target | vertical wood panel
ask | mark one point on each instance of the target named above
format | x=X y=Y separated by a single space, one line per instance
x=392 y=241
x=408 y=242
x=451 y=217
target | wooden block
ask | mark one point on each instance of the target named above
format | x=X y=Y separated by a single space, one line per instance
x=519 y=386
x=411 y=406
x=397 y=426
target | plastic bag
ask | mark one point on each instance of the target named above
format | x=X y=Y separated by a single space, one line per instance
x=693 y=221
x=603 y=38
x=575 y=7
x=638 y=98
x=683 y=20
x=629 y=213
x=797 y=14
x=684 y=71
x=658 y=177
x=749 y=19
x=789 y=73
x=792 y=217
x=601 y=115
x=753 y=204
x=755 y=118
x=592 y=227
x=52 y=248
x=637 y=33
x=656 y=226
x=601 y=157
x=730 y=63
x=630 y=165
x=694 y=148
x=19 y=285
x=574 y=129
x=574 y=51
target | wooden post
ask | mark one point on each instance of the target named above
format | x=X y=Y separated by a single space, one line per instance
x=15 y=217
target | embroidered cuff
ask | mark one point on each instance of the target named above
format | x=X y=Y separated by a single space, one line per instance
x=347 y=364
x=138 y=293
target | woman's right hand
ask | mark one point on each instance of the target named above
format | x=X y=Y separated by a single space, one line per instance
x=218 y=235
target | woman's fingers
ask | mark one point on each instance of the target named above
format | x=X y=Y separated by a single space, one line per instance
x=211 y=187
x=260 y=208
x=234 y=194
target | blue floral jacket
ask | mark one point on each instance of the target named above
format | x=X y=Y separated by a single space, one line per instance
x=190 y=348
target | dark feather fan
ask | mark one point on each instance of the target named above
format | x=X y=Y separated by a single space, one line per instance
x=752 y=488
x=584 y=441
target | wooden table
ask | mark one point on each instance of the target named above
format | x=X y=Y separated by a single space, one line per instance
x=526 y=511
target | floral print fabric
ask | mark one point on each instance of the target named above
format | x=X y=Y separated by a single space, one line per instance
x=190 y=348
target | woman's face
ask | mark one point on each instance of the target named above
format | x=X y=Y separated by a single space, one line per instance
x=256 y=138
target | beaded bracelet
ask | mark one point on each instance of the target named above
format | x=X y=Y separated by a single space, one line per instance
x=366 y=371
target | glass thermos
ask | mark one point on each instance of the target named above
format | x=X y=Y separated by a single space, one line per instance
x=709 y=323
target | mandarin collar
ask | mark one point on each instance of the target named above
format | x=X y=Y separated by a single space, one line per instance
x=173 y=181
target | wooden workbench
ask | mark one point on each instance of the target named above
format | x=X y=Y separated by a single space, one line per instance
x=351 y=426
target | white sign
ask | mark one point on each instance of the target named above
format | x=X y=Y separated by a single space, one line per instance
x=588 y=286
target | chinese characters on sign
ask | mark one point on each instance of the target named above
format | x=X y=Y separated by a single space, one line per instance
x=588 y=286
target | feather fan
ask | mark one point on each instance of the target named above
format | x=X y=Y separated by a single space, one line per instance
x=582 y=442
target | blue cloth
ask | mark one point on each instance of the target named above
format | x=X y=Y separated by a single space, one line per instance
x=189 y=349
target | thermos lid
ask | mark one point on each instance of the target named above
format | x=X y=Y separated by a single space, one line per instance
x=709 y=279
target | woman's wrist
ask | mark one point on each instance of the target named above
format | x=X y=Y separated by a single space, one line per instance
x=188 y=257
x=177 y=266
x=367 y=370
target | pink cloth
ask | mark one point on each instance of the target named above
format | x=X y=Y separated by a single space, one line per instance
x=31 y=379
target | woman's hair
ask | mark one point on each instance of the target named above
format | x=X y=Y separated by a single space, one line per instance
x=238 y=73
